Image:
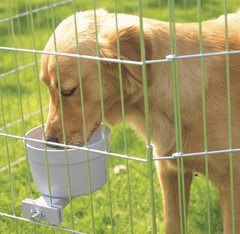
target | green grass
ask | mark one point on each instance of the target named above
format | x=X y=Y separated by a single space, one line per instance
x=13 y=149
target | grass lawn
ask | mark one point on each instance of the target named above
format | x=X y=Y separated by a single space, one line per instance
x=19 y=96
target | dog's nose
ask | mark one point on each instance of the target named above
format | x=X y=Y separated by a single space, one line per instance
x=53 y=139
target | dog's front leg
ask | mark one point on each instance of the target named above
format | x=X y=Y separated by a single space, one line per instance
x=226 y=203
x=168 y=178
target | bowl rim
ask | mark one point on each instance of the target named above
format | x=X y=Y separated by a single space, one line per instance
x=61 y=150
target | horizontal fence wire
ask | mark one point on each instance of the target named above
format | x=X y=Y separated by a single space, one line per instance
x=34 y=11
x=168 y=58
x=18 y=69
x=25 y=118
x=75 y=147
x=41 y=224
x=174 y=156
x=13 y=163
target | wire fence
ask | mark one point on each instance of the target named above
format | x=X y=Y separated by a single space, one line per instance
x=131 y=201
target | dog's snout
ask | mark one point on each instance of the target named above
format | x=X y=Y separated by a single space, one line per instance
x=53 y=139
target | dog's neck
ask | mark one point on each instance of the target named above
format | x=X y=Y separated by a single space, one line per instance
x=161 y=94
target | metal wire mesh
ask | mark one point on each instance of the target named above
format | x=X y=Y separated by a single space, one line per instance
x=24 y=105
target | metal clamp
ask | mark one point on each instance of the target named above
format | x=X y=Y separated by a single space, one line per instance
x=45 y=210
x=177 y=155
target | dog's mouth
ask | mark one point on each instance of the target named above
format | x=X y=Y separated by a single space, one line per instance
x=96 y=126
x=57 y=147
x=55 y=140
x=75 y=143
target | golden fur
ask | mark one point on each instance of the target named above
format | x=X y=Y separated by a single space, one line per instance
x=160 y=94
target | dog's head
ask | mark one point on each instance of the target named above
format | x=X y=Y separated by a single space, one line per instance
x=71 y=74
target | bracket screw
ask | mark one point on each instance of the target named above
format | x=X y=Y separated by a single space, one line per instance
x=37 y=214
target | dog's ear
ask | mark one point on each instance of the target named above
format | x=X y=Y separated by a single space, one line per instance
x=130 y=49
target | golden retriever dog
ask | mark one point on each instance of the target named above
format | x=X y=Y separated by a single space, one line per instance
x=160 y=95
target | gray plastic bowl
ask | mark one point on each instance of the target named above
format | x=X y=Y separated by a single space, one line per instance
x=77 y=162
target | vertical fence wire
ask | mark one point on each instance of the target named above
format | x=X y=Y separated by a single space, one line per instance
x=61 y=110
x=19 y=31
x=123 y=116
x=9 y=161
x=177 y=118
x=62 y=117
x=47 y=169
x=204 y=115
x=149 y=150
x=83 y=112
x=41 y=112
x=229 y=117
x=20 y=104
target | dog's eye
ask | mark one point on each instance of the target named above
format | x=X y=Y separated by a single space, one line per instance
x=68 y=93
